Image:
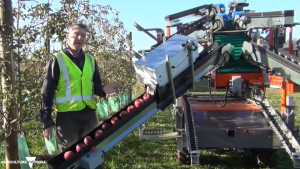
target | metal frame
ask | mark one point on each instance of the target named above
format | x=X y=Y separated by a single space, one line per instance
x=166 y=95
x=279 y=60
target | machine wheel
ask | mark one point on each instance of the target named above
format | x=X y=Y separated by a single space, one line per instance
x=266 y=157
x=183 y=157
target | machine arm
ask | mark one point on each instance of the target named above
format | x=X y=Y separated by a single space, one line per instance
x=158 y=31
x=174 y=19
x=279 y=60
x=136 y=54
x=263 y=19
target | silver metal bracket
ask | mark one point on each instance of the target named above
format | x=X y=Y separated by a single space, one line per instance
x=170 y=76
x=92 y=160
x=296 y=159
x=191 y=62
x=195 y=157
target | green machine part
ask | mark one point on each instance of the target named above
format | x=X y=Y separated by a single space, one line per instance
x=238 y=67
x=236 y=39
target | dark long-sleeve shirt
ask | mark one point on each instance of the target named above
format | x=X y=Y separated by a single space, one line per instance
x=51 y=81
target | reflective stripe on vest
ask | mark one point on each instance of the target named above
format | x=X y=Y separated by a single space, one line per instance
x=69 y=98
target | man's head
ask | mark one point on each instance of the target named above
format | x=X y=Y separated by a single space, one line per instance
x=76 y=36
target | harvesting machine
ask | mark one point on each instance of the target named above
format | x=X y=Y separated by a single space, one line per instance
x=221 y=51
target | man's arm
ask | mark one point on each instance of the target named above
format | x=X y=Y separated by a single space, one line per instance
x=98 y=87
x=48 y=91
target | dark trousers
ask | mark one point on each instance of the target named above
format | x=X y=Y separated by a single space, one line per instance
x=72 y=126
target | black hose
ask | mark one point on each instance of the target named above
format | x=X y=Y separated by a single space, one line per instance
x=259 y=103
x=212 y=99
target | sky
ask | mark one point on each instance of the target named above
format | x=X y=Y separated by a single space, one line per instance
x=151 y=13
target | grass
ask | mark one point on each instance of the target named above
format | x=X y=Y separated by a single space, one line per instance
x=133 y=153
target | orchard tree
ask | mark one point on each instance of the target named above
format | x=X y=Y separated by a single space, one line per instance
x=8 y=84
x=38 y=32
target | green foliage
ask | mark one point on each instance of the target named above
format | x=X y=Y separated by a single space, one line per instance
x=35 y=23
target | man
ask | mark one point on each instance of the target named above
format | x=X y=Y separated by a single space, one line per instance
x=71 y=80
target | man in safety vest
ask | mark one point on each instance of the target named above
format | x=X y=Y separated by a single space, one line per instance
x=72 y=78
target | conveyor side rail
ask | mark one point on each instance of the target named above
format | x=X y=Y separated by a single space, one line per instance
x=289 y=142
x=280 y=61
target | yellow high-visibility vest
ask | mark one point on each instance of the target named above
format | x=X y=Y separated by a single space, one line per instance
x=75 y=88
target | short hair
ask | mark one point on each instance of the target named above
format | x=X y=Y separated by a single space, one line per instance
x=80 y=25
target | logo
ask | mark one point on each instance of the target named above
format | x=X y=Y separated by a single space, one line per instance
x=30 y=160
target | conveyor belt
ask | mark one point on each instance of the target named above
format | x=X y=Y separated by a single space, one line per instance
x=110 y=137
x=208 y=128
x=192 y=138
x=277 y=59
x=162 y=99
x=282 y=131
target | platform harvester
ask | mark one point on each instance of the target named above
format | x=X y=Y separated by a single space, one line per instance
x=216 y=52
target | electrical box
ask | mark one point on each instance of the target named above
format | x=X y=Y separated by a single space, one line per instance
x=152 y=70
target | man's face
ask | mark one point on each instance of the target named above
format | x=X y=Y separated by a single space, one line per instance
x=76 y=38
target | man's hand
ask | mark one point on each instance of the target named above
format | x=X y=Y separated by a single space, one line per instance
x=48 y=132
x=110 y=90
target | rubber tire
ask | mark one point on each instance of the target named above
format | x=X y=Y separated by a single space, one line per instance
x=183 y=157
x=266 y=157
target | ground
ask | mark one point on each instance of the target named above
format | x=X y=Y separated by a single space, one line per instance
x=132 y=153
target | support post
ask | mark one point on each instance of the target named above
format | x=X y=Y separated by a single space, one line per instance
x=291 y=46
x=189 y=47
x=283 y=96
x=271 y=36
x=168 y=32
x=170 y=76
x=290 y=113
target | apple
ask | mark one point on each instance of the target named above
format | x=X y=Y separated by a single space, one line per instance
x=87 y=140
x=98 y=133
x=68 y=155
x=123 y=114
x=114 y=120
x=79 y=147
x=93 y=149
x=138 y=102
x=130 y=108
x=106 y=126
x=146 y=96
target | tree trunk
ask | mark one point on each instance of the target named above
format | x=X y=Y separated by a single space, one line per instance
x=8 y=84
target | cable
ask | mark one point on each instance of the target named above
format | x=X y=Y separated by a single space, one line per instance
x=227 y=87
x=212 y=99
x=258 y=103
x=226 y=55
